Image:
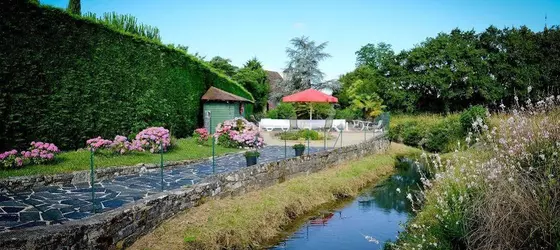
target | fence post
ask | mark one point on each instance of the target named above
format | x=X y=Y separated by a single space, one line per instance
x=365 y=133
x=285 y=145
x=92 y=179
x=161 y=162
x=213 y=144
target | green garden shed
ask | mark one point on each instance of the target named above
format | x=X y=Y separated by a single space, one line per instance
x=222 y=106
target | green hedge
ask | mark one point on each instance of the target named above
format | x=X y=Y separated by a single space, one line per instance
x=64 y=79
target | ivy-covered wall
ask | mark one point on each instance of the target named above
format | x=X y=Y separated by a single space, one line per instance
x=65 y=79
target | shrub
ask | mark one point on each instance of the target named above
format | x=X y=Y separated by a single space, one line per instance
x=298 y=146
x=347 y=113
x=85 y=79
x=201 y=135
x=98 y=143
x=471 y=115
x=9 y=159
x=252 y=153
x=238 y=132
x=121 y=145
x=282 y=111
x=443 y=137
x=40 y=153
x=153 y=138
x=412 y=134
x=303 y=134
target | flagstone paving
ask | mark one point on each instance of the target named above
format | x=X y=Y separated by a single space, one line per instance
x=57 y=204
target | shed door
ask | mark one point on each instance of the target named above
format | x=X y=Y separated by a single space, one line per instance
x=220 y=112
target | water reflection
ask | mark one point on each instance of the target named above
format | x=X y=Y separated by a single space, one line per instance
x=367 y=222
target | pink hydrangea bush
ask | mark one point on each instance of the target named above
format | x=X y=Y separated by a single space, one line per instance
x=201 y=135
x=10 y=159
x=40 y=152
x=238 y=132
x=121 y=145
x=151 y=138
x=98 y=143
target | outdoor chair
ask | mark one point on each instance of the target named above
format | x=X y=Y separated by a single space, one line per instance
x=378 y=127
x=356 y=123
x=366 y=125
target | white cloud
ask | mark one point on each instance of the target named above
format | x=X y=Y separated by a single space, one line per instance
x=299 y=26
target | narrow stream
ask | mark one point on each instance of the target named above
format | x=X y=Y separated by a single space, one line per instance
x=366 y=222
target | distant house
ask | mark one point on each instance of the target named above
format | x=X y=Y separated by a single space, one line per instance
x=275 y=81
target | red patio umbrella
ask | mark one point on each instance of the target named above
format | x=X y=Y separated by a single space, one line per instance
x=310 y=95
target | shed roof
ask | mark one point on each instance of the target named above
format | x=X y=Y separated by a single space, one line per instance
x=215 y=94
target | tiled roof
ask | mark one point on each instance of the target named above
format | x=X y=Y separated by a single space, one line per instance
x=215 y=94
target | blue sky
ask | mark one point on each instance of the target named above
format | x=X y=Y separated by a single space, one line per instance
x=240 y=30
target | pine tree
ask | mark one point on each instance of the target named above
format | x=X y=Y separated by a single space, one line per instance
x=74 y=7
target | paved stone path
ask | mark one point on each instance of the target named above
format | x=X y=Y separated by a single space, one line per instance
x=57 y=204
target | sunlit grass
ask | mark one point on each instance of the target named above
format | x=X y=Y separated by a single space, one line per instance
x=184 y=149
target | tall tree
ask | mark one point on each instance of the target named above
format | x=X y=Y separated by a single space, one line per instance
x=374 y=55
x=223 y=65
x=253 y=77
x=302 y=71
x=74 y=7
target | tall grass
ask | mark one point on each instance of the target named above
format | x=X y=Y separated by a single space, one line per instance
x=501 y=194
x=127 y=23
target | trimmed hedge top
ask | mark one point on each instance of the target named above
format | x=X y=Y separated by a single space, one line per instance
x=65 y=79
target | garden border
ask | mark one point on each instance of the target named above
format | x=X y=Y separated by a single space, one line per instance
x=22 y=183
x=119 y=228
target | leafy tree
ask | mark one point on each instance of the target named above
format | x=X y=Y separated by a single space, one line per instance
x=374 y=55
x=253 y=77
x=302 y=71
x=223 y=65
x=75 y=7
x=35 y=1
x=253 y=64
x=284 y=110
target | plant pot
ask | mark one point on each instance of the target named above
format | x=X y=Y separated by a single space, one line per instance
x=251 y=160
x=299 y=151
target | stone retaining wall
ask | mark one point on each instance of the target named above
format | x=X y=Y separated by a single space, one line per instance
x=119 y=228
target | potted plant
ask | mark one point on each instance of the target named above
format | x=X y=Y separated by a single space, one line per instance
x=299 y=148
x=251 y=157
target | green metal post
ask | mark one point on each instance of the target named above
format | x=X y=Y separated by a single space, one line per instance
x=285 y=146
x=92 y=179
x=308 y=135
x=161 y=162
x=325 y=139
x=341 y=137
x=213 y=147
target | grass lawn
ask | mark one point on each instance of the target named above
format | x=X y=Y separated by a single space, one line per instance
x=253 y=219
x=184 y=149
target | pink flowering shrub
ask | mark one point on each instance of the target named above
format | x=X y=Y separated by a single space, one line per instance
x=201 y=135
x=10 y=159
x=151 y=138
x=98 y=143
x=121 y=145
x=238 y=132
x=38 y=153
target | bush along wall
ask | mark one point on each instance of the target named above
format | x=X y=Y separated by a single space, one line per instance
x=65 y=79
